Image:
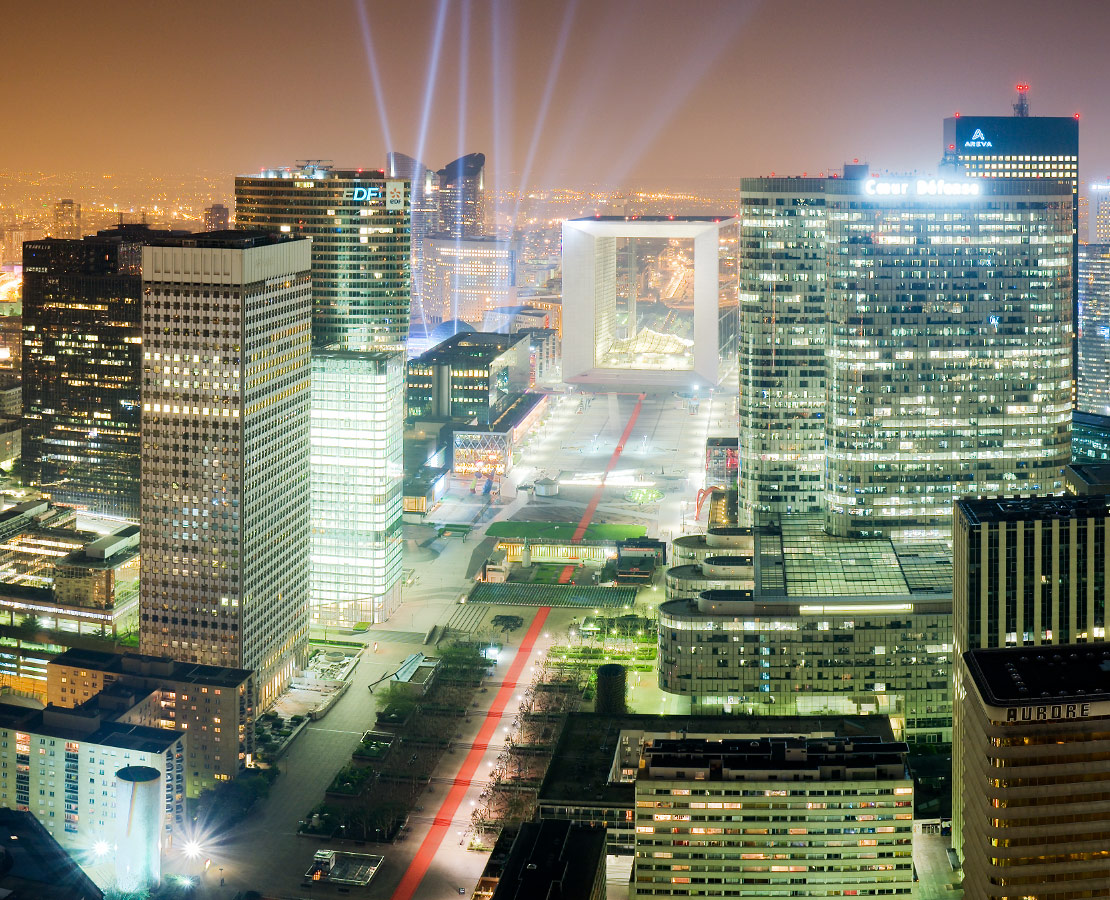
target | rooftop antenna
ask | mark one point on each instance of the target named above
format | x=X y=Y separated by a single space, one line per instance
x=1021 y=108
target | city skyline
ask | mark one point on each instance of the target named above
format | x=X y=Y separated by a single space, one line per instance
x=521 y=83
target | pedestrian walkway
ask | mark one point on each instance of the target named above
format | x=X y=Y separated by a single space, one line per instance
x=462 y=780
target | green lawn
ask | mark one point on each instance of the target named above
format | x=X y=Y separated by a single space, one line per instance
x=565 y=530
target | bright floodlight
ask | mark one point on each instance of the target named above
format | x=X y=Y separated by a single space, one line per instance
x=192 y=849
x=101 y=848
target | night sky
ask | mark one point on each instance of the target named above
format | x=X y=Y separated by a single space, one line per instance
x=645 y=92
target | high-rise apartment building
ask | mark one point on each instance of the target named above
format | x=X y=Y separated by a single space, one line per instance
x=67 y=220
x=1094 y=329
x=217 y=217
x=782 y=347
x=357 y=464
x=1031 y=772
x=462 y=196
x=949 y=346
x=358 y=220
x=225 y=421
x=81 y=361
x=464 y=278
x=748 y=815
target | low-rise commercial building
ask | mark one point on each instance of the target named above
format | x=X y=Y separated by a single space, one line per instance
x=215 y=705
x=813 y=624
x=1031 y=772
x=554 y=858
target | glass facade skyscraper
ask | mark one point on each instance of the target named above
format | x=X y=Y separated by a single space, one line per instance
x=782 y=347
x=949 y=348
x=359 y=224
x=356 y=475
x=1094 y=329
x=81 y=363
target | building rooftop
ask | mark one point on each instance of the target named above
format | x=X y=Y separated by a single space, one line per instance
x=798 y=560
x=156 y=667
x=1024 y=675
x=552 y=858
x=1016 y=509
x=583 y=760
x=231 y=239
x=470 y=348
x=33 y=866
x=320 y=171
x=720 y=218
x=752 y=759
x=511 y=416
x=85 y=724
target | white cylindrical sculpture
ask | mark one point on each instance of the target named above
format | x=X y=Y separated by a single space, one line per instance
x=139 y=820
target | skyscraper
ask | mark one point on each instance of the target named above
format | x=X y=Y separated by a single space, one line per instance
x=67 y=220
x=466 y=277
x=424 y=219
x=216 y=217
x=225 y=423
x=1100 y=196
x=949 y=346
x=356 y=474
x=462 y=206
x=782 y=347
x=359 y=224
x=81 y=366
x=1094 y=329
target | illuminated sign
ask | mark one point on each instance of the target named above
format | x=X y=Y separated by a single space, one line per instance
x=394 y=195
x=922 y=187
x=1044 y=713
x=978 y=139
x=362 y=194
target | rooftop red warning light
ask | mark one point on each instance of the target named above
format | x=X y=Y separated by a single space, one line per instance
x=1023 y=87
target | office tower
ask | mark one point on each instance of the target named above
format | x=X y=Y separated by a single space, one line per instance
x=217 y=217
x=225 y=502
x=359 y=224
x=948 y=349
x=1020 y=146
x=81 y=361
x=1031 y=773
x=1100 y=200
x=214 y=705
x=782 y=347
x=67 y=220
x=1094 y=329
x=462 y=196
x=424 y=220
x=466 y=277
x=699 y=791
x=356 y=476
x=1029 y=571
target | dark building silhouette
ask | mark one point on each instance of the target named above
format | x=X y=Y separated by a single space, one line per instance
x=81 y=365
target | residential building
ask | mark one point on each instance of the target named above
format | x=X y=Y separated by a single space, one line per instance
x=358 y=220
x=225 y=460
x=217 y=217
x=215 y=706
x=788 y=620
x=63 y=767
x=67 y=220
x=1031 y=772
x=1094 y=329
x=949 y=346
x=81 y=362
x=357 y=473
x=847 y=804
x=782 y=333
